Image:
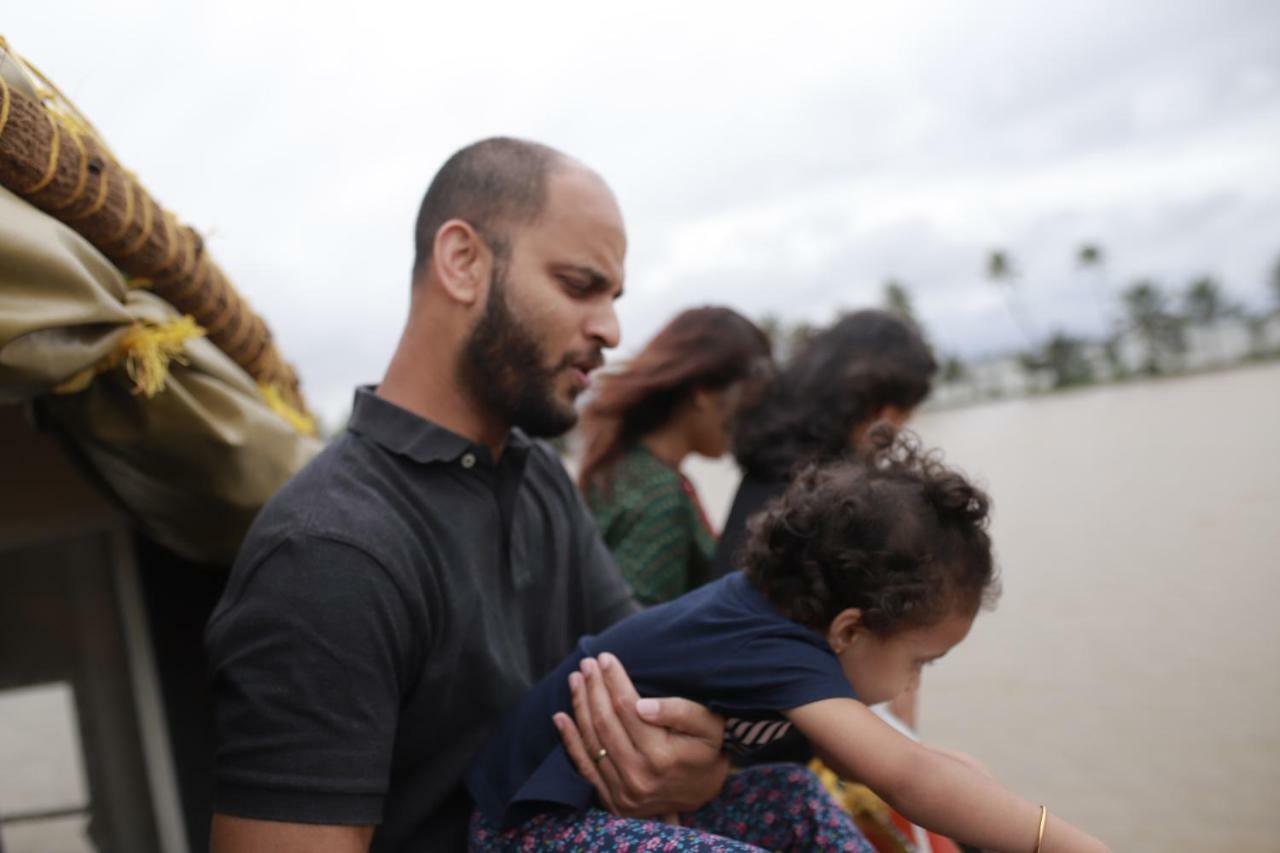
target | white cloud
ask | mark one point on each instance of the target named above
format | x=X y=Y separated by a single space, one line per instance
x=781 y=158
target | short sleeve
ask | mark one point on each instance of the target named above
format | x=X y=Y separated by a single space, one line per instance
x=309 y=656
x=774 y=673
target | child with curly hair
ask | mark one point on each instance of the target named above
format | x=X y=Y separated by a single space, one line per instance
x=857 y=577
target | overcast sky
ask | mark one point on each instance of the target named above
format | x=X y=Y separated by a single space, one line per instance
x=784 y=158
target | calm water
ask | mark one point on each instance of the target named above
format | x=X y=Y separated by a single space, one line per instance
x=1130 y=677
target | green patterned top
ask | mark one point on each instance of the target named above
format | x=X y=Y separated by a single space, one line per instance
x=652 y=521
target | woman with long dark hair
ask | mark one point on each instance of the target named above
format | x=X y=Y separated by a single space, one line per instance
x=679 y=395
x=868 y=366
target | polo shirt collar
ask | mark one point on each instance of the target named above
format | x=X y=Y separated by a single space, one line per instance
x=403 y=432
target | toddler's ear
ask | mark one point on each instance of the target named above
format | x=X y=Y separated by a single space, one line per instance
x=844 y=629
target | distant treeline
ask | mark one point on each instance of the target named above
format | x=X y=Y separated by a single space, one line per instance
x=1146 y=324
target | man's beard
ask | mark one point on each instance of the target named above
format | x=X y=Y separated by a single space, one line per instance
x=503 y=370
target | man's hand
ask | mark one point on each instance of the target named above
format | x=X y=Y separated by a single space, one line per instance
x=645 y=757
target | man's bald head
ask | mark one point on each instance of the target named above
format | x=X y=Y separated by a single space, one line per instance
x=492 y=185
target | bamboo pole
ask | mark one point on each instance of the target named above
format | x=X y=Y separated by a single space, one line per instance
x=54 y=159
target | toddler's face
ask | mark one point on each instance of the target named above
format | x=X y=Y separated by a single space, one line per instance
x=880 y=668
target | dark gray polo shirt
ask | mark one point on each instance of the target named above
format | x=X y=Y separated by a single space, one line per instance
x=389 y=604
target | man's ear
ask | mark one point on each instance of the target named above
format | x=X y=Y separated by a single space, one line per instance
x=461 y=262
x=844 y=629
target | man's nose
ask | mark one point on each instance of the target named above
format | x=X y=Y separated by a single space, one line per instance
x=603 y=326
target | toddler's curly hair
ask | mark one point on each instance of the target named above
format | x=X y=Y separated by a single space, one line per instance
x=896 y=534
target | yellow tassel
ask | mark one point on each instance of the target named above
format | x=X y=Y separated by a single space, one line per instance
x=275 y=400
x=146 y=350
x=149 y=348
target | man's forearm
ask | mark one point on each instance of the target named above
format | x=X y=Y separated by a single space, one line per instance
x=231 y=834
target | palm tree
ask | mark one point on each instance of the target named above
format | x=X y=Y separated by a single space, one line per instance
x=1257 y=326
x=1205 y=305
x=798 y=337
x=897 y=301
x=1001 y=271
x=1275 y=282
x=1149 y=315
x=1064 y=356
x=999 y=266
x=953 y=369
x=1204 y=302
x=771 y=325
x=1091 y=257
x=785 y=338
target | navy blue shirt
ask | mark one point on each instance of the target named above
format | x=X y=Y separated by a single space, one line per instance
x=722 y=645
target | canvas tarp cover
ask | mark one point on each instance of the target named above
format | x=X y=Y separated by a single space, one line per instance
x=194 y=462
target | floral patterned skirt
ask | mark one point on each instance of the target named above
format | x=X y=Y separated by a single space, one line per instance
x=767 y=807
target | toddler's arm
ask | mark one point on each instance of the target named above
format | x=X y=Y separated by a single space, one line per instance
x=929 y=788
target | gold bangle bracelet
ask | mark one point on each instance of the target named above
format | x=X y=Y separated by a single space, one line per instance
x=1044 y=813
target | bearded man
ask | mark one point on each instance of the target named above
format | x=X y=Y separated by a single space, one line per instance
x=407 y=587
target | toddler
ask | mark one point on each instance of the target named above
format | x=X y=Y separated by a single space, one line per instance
x=857 y=577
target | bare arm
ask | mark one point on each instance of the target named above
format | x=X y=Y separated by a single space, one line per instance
x=928 y=788
x=242 y=835
x=662 y=756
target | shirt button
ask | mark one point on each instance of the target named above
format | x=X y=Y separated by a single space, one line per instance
x=468 y=460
